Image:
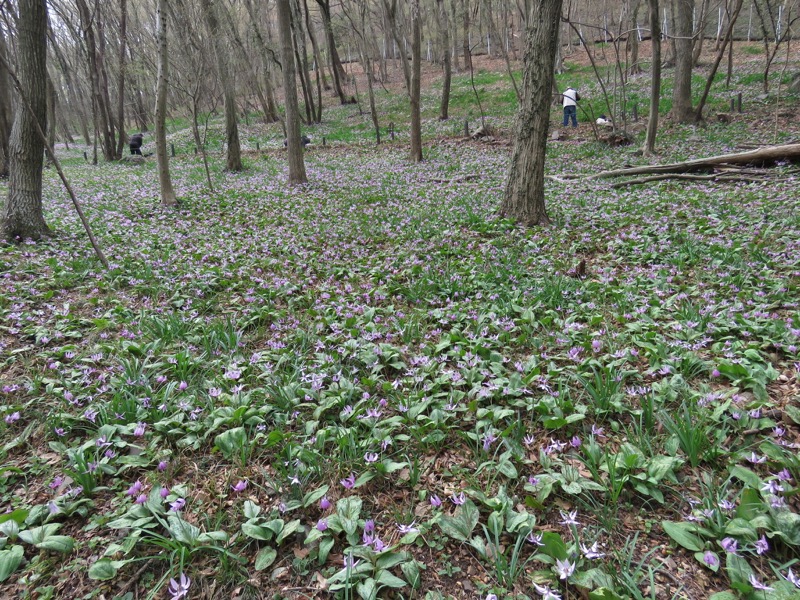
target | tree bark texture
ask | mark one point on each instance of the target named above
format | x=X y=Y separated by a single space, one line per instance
x=123 y=51
x=6 y=115
x=655 y=79
x=683 y=11
x=524 y=198
x=414 y=92
x=22 y=217
x=232 y=146
x=444 y=29
x=337 y=71
x=164 y=179
x=294 y=147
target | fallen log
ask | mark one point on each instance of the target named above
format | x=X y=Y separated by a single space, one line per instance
x=718 y=177
x=767 y=154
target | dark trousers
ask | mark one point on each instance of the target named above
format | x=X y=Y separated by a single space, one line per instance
x=570 y=112
x=136 y=150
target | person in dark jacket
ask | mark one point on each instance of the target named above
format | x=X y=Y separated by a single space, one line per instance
x=135 y=143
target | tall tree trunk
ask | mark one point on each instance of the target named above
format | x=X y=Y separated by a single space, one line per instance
x=524 y=195
x=294 y=147
x=337 y=71
x=268 y=58
x=319 y=72
x=444 y=36
x=683 y=11
x=6 y=114
x=23 y=216
x=700 y=28
x=233 y=147
x=465 y=42
x=123 y=51
x=632 y=42
x=299 y=38
x=414 y=91
x=165 y=181
x=100 y=109
x=655 y=79
x=52 y=101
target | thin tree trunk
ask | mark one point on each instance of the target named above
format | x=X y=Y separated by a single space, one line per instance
x=297 y=166
x=123 y=51
x=683 y=43
x=524 y=199
x=444 y=29
x=337 y=71
x=414 y=92
x=6 y=115
x=655 y=76
x=23 y=217
x=165 y=181
x=232 y=145
x=465 y=42
x=632 y=43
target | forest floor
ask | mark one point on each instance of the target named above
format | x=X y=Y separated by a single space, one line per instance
x=372 y=386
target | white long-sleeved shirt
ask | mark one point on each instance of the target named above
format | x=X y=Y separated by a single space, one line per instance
x=569 y=97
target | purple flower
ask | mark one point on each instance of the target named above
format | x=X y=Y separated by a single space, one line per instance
x=134 y=489
x=322 y=525
x=178 y=505
x=575 y=442
x=240 y=486
x=349 y=482
x=784 y=475
x=545 y=592
x=564 y=568
x=535 y=539
x=139 y=431
x=528 y=440
x=793 y=579
x=458 y=500
x=436 y=502
x=324 y=503
x=715 y=372
x=710 y=559
x=162 y=465
x=182 y=386
x=12 y=417
x=404 y=529
x=164 y=492
x=488 y=440
x=141 y=499
x=369 y=526
x=570 y=518
x=371 y=457
x=730 y=545
x=757 y=584
x=592 y=552
x=178 y=590
x=761 y=545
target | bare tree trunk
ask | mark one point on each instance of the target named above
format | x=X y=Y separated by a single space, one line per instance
x=524 y=194
x=632 y=43
x=701 y=33
x=318 y=71
x=123 y=51
x=444 y=29
x=337 y=71
x=414 y=92
x=6 y=114
x=268 y=57
x=232 y=145
x=655 y=76
x=52 y=101
x=165 y=181
x=23 y=218
x=297 y=166
x=682 y=85
x=300 y=54
x=101 y=109
x=465 y=42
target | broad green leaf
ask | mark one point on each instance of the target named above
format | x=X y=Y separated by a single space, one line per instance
x=750 y=504
x=325 y=547
x=251 y=510
x=367 y=589
x=265 y=557
x=553 y=546
x=349 y=509
x=724 y=596
x=257 y=532
x=18 y=516
x=411 y=571
x=747 y=476
x=231 y=442
x=10 y=559
x=314 y=495
x=57 y=543
x=739 y=571
x=683 y=535
x=385 y=578
x=741 y=528
x=288 y=530
x=604 y=594
x=105 y=568
x=182 y=531
x=461 y=525
x=391 y=559
x=701 y=558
